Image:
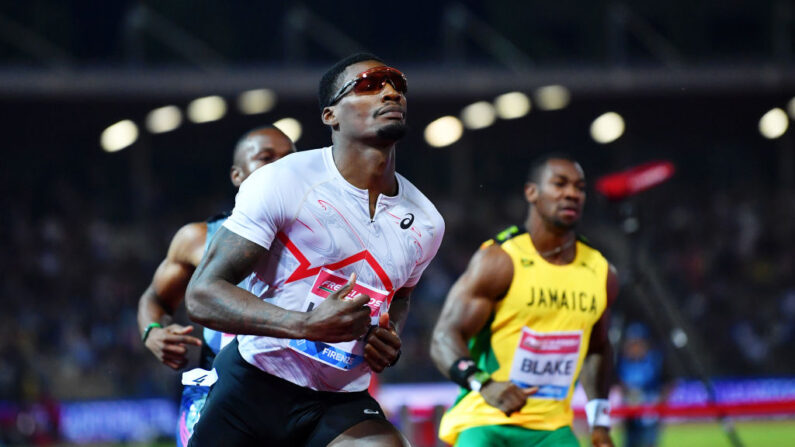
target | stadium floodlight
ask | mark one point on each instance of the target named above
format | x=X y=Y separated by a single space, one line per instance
x=512 y=105
x=291 y=127
x=118 y=136
x=552 y=97
x=444 y=131
x=773 y=124
x=678 y=337
x=478 y=115
x=163 y=119
x=252 y=102
x=607 y=128
x=206 y=109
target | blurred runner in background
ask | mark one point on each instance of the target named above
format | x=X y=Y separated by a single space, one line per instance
x=166 y=340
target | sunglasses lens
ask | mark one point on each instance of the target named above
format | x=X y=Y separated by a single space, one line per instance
x=399 y=82
x=373 y=82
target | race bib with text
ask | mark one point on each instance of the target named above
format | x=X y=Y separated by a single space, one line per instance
x=548 y=361
x=344 y=355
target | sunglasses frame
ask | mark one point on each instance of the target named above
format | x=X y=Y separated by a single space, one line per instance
x=350 y=85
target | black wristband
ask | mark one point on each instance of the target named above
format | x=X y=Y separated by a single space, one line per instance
x=460 y=371
x=400 y=351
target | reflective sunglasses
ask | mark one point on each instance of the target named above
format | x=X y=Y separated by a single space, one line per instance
x=372 y=81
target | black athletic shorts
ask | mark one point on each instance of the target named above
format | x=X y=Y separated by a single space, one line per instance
x=249 y=407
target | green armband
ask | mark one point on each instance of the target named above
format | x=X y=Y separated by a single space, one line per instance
x=149 y=329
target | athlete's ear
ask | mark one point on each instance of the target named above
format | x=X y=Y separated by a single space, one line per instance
x=531 y=192
x=236 y=175
x=329 y=117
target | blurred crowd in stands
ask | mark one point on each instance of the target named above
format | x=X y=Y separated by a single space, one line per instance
x=727 y=258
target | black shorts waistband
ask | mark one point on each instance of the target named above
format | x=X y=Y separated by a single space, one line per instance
x=248 y=371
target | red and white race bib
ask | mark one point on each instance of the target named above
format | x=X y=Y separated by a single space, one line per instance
x=547 y=360
x=344 y=355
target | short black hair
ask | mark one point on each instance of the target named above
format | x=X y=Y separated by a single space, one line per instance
x=245 y=136
x=328 y=83
x=538 y=165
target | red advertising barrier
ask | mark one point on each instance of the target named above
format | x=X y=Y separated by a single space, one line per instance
x=703 y=411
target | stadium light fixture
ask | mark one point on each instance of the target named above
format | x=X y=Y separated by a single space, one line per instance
x=444 y=131
x=678 y=337
x=773 y=124
x=512 y=105
x=291 y=127
x=163 y=119
x=206 y=109
x=252 y=102
x=607 y=128
x=118 y=136
x=478 y=115
x=552 y=97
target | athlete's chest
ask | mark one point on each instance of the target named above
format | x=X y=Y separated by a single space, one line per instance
x=558 y=297
x=335 y=229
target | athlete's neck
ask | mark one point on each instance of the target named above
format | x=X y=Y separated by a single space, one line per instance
x=367 y=167
x=554 y=244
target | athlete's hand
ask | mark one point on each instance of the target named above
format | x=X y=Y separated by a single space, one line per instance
x=168 y=344
x=600 y=437
x=337 y=319
x=506 y=396
x=382 y=345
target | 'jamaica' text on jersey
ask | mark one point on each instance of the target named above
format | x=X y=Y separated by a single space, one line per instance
x=562 y=299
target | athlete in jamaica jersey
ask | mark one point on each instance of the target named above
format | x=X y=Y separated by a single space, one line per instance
x=526 y=318
x=156 y=306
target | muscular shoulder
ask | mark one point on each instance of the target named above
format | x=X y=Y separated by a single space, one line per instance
x=491 y=271
x=492 y=259
x=307 y=165
x=187 y=246
x=273 y=195
x=300 y=167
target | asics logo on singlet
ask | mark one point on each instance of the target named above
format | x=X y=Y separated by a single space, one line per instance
x=369 y=411
x=406 y=223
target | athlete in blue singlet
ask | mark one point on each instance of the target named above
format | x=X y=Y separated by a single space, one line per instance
x=168 y=341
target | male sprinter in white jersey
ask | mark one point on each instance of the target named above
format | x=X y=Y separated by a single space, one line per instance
x=336 y=241
x=156 y=306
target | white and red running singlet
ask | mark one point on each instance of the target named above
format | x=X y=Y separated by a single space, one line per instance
x=318 y=230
